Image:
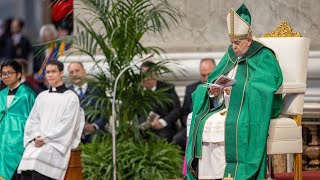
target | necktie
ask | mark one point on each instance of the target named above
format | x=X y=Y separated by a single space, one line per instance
x=81 y=94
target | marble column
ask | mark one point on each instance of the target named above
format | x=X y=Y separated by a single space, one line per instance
x=313 y=148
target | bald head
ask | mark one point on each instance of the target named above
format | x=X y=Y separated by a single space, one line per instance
x=207 y=65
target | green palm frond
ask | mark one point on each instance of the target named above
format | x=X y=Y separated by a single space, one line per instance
x=151 y=159
x=115 y=29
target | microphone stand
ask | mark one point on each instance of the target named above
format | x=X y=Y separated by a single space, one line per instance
x=113 y=119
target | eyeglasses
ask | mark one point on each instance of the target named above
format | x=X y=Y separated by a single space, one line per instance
x=7 y=74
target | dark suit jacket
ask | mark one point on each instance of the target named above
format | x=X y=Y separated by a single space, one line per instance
x=19 y=51
x=84 y=102
x=170 y=113
x=187 y=103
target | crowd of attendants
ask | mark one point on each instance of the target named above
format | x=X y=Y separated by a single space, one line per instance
x=33 y=56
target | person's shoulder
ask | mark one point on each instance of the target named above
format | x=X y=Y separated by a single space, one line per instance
x=193 y=85
x=266 y=49
x=43 y=93
x=70 y=87
x=25 y=38
x=92 y=89
x=162 y=84
x=27 y=89
x=2 y=90
x=267 y=53
x=71 y=93
x=262 y=48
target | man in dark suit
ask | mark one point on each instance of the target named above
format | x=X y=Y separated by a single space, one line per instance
x=207 y=65
x=163 y=119
x=77 y=75
x=17 y=46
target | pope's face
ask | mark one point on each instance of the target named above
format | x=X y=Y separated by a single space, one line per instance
x=240 y=46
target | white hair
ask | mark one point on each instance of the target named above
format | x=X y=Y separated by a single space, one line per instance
x=50 y=28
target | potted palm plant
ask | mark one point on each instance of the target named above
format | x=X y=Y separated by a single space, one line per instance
x=114 y=29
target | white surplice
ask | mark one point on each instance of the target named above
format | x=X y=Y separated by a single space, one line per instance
x=213 y=163
x=59 y=119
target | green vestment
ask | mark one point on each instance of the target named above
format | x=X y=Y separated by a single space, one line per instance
x=252 y=105
x=12 y=122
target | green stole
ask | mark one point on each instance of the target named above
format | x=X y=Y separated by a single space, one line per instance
x=12 y=122
x=252 y=105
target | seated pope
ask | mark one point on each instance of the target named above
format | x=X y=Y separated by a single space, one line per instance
x=229 y=126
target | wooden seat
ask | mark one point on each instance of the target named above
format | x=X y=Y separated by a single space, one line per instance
x=74 y=171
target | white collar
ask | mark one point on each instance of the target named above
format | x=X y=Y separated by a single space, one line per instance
x=84 y=87
x=16 y=37
x=154 y=87
x=16 y=86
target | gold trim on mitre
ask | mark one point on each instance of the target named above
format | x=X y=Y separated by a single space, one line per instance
x=283 y=30
x=237 y=27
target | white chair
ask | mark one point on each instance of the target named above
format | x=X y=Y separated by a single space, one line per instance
x=285 y=132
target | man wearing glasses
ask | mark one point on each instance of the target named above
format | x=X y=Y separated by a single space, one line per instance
x=16 y=101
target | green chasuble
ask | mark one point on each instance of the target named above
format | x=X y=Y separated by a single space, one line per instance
x=252 y=105
x=12 y=122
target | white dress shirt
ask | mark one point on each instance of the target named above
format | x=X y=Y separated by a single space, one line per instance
x=84 y=88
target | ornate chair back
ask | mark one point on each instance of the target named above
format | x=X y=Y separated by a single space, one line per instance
x=285 y=132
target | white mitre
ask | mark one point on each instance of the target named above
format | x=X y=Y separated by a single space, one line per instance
x=239 y=23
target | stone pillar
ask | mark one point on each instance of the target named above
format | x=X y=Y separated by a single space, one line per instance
x=313 y=149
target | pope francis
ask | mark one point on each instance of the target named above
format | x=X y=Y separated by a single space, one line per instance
x=229 y=125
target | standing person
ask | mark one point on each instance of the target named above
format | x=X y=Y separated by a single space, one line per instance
x=16 y=101
x=49 y=50
x=206 y=67
x=77 y=75
x=6 y=26
x=17 y=46
x=53 y=128
x=163 y=118
x=22 y=48
x=230 y=125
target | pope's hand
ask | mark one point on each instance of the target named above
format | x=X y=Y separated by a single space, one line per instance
x=227 y=90
x=215 y=91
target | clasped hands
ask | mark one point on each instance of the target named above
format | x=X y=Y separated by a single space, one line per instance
x=154 y=119
x=39 y=141
x=89 y=128
x=216 y=91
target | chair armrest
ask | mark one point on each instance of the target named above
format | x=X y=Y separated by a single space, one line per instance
x=292 y=88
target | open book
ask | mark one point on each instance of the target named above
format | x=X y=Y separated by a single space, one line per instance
x=222 y=82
